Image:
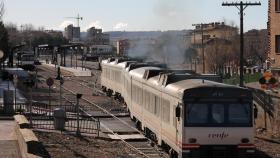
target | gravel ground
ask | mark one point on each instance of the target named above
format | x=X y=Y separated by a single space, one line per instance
x=68 y=146
x=267 y=147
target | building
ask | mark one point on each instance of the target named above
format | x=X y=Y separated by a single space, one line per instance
x=212 y=31
x=123 y=47
x=255 y=47
x=274 y=34
x=72 y=33
x=208 y=39
x=96 y=37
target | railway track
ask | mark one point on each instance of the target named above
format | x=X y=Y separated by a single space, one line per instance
x=109 y=109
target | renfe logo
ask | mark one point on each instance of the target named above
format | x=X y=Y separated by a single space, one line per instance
x=218 y=135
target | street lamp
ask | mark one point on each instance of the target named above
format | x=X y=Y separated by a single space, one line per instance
x=76 y=51
x=82 y=48
x=71 y=56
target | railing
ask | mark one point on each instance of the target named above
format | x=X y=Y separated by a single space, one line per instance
x=41 y=116
x=269 y=102
x=264 y=100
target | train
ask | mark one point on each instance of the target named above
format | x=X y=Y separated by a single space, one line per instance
x=187 y=114
x=27 y=61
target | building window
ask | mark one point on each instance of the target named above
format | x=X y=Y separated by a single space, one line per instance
x=277 y=5
x=277 y=44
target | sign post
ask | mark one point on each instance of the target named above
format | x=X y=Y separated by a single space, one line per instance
x=50 y=82
x=60 y=90
x=15 y=86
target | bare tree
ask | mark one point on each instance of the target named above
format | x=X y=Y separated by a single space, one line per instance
x=218 y=55
x=2 y=10
x=255 y=47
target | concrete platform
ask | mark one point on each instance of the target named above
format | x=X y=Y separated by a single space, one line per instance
x=79 y=71
x=128 y=137
x=116 y=126
x=9 y=147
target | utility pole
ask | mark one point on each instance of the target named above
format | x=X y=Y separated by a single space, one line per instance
x=241 y=6
x=202 y=44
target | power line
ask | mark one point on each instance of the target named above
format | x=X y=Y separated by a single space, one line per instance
x=241 y=6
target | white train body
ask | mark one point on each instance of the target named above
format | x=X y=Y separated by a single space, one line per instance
x=191 y=117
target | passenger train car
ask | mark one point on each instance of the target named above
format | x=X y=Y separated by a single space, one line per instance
x=188 y=114
x=26 y=59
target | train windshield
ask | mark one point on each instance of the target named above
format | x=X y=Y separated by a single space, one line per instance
x=218 y=114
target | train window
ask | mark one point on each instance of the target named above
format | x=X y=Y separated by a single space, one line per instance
x=174 y=118
x=157 y=106
x=103 y=72
x=197 y=114
x=140 y=97
x=152 y=103
x=165 y=115
x=239 y=113
x=146 y=100
x=107 y=73
x=218 y=113
x=149 y=101
x=133 y=93
x=110 y=74
x=27 y=57
x=136 y=94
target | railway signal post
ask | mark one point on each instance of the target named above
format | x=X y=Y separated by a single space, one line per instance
x=61 y=81
x=50 y=82
x=241 y=7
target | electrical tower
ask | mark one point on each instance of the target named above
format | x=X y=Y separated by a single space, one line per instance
x=241 y=6
x=78 y=18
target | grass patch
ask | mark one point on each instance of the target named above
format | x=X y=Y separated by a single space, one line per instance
x=248 y=78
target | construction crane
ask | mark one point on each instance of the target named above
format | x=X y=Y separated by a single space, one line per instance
x=78 y=18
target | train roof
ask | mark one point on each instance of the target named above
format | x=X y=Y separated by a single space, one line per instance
x=188 y=87
x=140 y=72
x=181 y=85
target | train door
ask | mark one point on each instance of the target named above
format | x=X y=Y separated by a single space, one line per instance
x=175 y=124
x=178 y=123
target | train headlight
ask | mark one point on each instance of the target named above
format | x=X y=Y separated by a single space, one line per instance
x=245 y=140
x=192 y=140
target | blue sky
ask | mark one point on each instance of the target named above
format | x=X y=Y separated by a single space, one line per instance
x=130 y=15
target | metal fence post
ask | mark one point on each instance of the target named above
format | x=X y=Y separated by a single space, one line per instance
x=30 y=106
x=98 y=126
x=78 y=132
